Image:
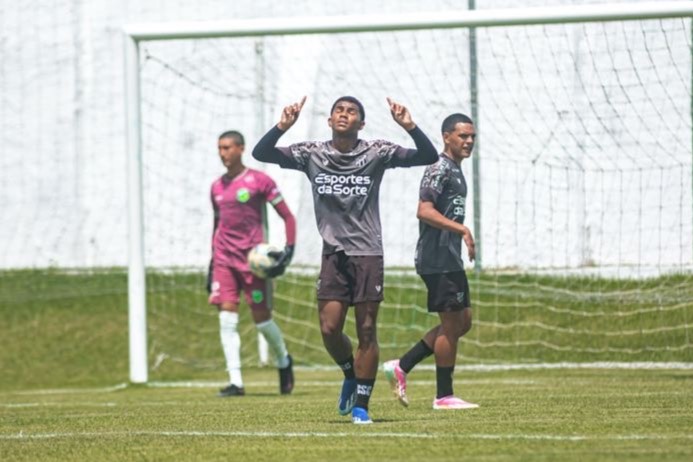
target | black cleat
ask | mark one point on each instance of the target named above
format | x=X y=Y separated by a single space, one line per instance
x=231 y=390
x=286 y=378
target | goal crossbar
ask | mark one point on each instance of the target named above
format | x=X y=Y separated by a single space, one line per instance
x=409 y=21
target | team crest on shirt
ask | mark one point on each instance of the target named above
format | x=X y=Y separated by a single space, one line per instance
x=243 y=195
x=257 y=296
x=219 y=197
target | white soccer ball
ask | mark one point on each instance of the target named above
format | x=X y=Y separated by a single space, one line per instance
x=259 y=259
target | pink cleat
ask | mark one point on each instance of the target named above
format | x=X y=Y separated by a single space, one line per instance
x=451 y=402
x=398 y=380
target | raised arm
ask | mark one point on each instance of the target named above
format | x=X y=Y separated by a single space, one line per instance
x=266 y=149
x=425 y=153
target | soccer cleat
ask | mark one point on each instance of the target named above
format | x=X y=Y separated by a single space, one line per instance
x=359 y=416
x=398 y=380
x=451 y=402
x=231 y=390
x=286 y=378
x=347 y=397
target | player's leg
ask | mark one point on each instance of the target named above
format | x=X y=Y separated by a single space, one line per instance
x=333 y=303
x=396 y=370
x=455 y=320
x=258 y=294
x=224 y=295
x=366 y=276
x=366 y=360
x=332 y=314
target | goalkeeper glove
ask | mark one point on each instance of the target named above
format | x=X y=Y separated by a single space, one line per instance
x=282 y=258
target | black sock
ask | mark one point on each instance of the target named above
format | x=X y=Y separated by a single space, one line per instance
x=364 y=388
x=444 y=381
x=348 y=368
x=411 y=358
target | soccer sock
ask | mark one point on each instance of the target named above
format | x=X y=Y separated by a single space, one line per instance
x=231 y=343
x=274 y=338
x=414 y=356
x=444 y=381
x=364 y=387
x=347 y=368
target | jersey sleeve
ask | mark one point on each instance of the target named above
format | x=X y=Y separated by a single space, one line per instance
x=270 y=190
x=433 y=183
x=424 y=154
x=266 y=150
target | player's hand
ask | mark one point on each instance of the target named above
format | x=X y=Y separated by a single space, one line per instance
x=283 y=258
x=469 y=242
x=401 y=115
x=290 y=115
x=209 y=277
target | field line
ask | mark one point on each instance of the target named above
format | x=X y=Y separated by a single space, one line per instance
x=356 y=434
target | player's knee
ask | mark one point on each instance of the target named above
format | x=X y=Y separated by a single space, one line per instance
x=329 y=328
x=367 y=335
x=466 y=324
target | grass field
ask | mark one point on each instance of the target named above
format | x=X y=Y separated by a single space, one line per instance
x=524 y=415
x=63 y=391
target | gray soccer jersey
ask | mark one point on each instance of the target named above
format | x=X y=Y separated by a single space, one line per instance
x=437 y=250
x=346 y=187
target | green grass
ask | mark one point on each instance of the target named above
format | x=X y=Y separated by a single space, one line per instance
x=65 y=343
x=524 y=415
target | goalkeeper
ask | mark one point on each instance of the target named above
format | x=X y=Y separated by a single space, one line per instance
x=238 y=199
x=345 y=173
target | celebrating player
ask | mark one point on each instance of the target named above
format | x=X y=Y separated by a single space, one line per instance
x=345 y=174
x=441 y=211
x=238 y=198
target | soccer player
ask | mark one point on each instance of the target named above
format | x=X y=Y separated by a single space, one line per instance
x=441 y=211
x=345 y=173
x=238 y=199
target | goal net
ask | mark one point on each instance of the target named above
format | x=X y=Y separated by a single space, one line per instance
x=582 y=198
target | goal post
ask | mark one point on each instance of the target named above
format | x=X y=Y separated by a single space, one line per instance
x=135 y=35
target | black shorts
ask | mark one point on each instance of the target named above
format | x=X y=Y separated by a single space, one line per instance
x=447 y=291
x=351 y=278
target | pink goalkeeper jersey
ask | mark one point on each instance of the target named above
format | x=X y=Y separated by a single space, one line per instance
x=240 y=205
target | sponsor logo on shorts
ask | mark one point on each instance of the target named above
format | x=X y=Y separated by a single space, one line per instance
x=317 y=284
x=377 y=288
x=344 y=185
x=243 y=195
x=257 y=296
x=460 y=296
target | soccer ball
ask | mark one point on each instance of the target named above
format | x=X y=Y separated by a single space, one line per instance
x=259 y=259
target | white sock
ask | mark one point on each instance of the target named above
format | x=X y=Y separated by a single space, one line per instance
x=274 y=338
x=231 y=343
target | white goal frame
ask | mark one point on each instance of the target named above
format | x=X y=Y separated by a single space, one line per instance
x=135 y=34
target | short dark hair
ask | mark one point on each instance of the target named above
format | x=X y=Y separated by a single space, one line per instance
x=236 y=136
x=454 y=119
x=350 y=99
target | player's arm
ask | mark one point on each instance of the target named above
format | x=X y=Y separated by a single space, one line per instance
x=428 y=213
x=425 y=153
x=211 y=260
x=284 y=257
x=266 y=149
